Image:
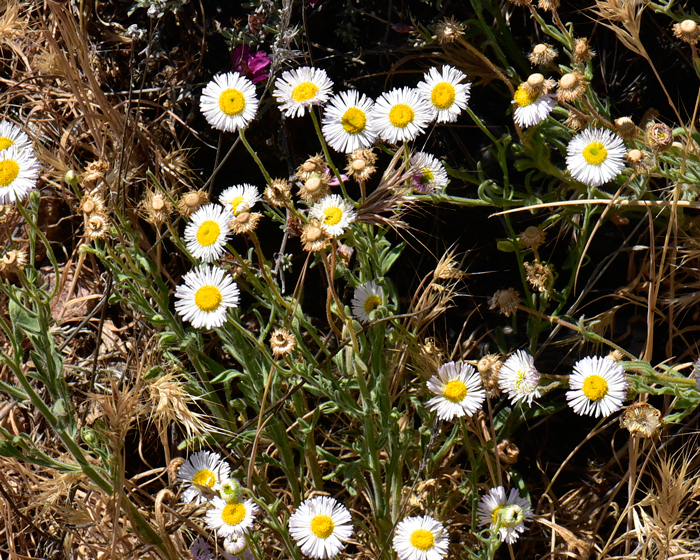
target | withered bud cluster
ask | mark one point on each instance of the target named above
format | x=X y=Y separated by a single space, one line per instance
x=489 y=368
x=539 y=276
x=576 y=120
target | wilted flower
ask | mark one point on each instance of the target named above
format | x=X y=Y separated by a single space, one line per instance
x=642 y=419
x=582 y=51
x=571 y=86
x=625 y=128
x=13 y=261
x=542 y=54
x=361 y=164
x=313 y=237
x=687 y=30
x=282 y=342
x=659 y=137
x=506 y=301
x=96 y=226
x=191 y=202
x=448 y=30
x=278 y=192
x=532 y=237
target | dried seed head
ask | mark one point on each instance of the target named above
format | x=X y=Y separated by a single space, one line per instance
x=642 y=420
x=576 y=120
x=314 y=164
x=542 y=54
x=534 y=85
x=156 y=208
x=659 y=137
x=96 y=226
x=345 y=253
x=506 y=301
x=489 y=369
x=361 y=164
x=521 y=2
x=508 y=452
x=532 y=237
x=7 y=212
x=615 y=356
x=539 y=276
x=278 y=192
x=582 y=51
x=245 y=222
x=448 y=30
x=548 y=5
x=294 y=225
x=314 y=188
x=282 y=342
x=191 y=202
x=571 y=86
x=13 y=261
x=92 y=203
x=640 y=161
x=687 y=30
x=314 y=237
x=625 y=128
x=95 y=170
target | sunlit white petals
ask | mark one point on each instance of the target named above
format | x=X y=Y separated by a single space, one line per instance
x=401 y=115
x=207 y=232
x=12 y=135
x=19 y=171
x=459 y=391
x=445 y=93
x=507 y=513
x=321 y=526
x=231 y=518
x=207 y=292
x=348 y=123
x=421 y=538
x=598 y=387
x=531 y=109
x=334 y=214
x=595 y=156
x=519 y=378
x=201 y=474
x=239 y=198
x=298 y=89
x=368 y=297
x=228 y=102
x=429 y=175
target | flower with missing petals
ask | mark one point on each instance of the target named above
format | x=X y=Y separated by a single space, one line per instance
x=519 y=378
x=505 y=513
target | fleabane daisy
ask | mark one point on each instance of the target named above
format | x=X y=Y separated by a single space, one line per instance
x=531 y=107
x=19 y=171
x=368 y=297
x=507 y=513
x=239 y=198
x=401 y=115
x=230 y=518
x=519 y=378
x=445 y=93
x=228 y=102
x=202 y=473
x=421 y=538
x=598 y=387
x=429 y=175
x=321 y=526
x=459 y=391
x=595 y=156
x=334 y=214
x=348 y=123
x=205 y=296
x=207 y=233
x=12 y=135
x=299 y=88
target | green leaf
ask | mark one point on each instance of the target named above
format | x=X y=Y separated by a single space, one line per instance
x=21 y=319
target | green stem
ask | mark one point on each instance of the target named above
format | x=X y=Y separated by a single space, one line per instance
x=326 y=153
x=241 y=135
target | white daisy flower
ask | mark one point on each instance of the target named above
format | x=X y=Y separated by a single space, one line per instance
x=297 y=89
x=507 y=513
x=531 y=109
x=598 y=387
x=401 y=115
x=19 y=171
x=429 y=175
x=421 y=538
x=334 y=214
x=348 y=123
x=230 y=518
x=206 y=235
x=202 y=473
x=205 y=296
x=228 y=102
x=12 y=135
x=519 y=378
x=595 y=156
x=320 y=526
x=240 y=198
x=235 y=544
x=368 y=297
x=445 y=93
x=459 y=391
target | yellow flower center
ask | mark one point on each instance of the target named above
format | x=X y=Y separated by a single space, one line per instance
x=207 y=298
x=204 y=478
x=333 y=215
x=233 y=514
x=5 y=143
x=208 y=233
x=494 y=515
x=426 y=176
x=235 y=203
x=322 y=526
x=371 y=303
x=455 y=391
x=595 y=387
x=422 y=539
x=523 y=98
x=354 y=120
x=304 y=91
x=231 y=102
x=595 y=153
x=443 y=95
x=9 y=169
x=401 y=115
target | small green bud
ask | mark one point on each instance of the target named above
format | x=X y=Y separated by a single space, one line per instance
x=230 y=490
x=71 y=177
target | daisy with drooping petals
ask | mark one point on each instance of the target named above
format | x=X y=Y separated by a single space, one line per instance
x=595 y=156
x=508 y=514
x=239 y=198
x=531 y=108
x=519 y=378
x=334 y=214
x=429 y=175
x=459 y=391
x=401 y=115
x=348 y=123
x=321 y=526
x=206 y=235
x=598 y=387
x=231 y=518
x=205 y=296
x=421 y=538
x=445 y=93
x=297 y=89
x=19 y=171
x=12 y=135
x=228 y=102
x=368 y=297
x=202 y=473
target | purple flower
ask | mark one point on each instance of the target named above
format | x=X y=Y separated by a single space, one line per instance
x=252 y=65
x=200 y=550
